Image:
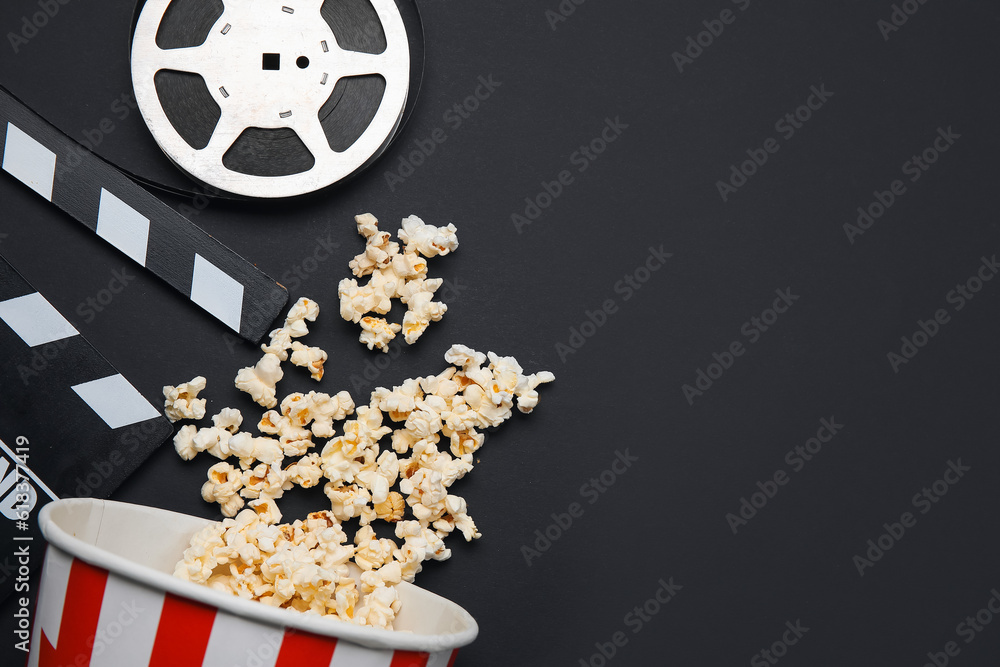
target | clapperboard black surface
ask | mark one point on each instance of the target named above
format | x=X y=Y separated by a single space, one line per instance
x=70 y=424
x=757 y=243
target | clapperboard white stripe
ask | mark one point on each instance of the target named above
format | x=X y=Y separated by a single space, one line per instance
x=130 y=218
x=35 y=320
x=123 y=227
x=116 y=401
x=29 y=162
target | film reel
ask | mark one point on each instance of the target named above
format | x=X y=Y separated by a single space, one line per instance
x=271 y=98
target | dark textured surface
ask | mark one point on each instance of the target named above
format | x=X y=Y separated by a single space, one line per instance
x=522 y=289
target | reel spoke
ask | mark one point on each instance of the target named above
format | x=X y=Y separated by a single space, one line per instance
x=312 y=135
x=188 y=59
x=356 y=63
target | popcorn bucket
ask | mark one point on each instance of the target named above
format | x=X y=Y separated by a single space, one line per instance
x=108 y=598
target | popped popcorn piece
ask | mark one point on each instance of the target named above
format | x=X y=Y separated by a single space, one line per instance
x=464 y=357
x=371 y=552
x=311 y=358
x=223 y=487
x=422 y=311
x=527 y=396
x=347 y=501
x=266 y=509
x=306 y=472
x=379 y=607
x=355 y=300
x=182 y=402
x=326 y=409
x=392 y=508
x=457 y=517
x=199 y=560
x=229 y=419
x=184 y=442
x=263 y=481
x=259 y=381
x=428 y=240
x=213 y=440
x=377 y=332
x=399 y=402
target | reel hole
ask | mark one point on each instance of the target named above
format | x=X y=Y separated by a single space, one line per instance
x=270 y=61
x=302 y=62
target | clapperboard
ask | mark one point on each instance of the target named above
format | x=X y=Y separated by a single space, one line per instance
x=70 y=424
x=141 y=226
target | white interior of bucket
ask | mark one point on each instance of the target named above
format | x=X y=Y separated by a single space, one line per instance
x=155 y=540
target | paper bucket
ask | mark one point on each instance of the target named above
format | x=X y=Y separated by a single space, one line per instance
x=107 y=596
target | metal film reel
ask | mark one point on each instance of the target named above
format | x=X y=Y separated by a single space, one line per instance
x=271 y=98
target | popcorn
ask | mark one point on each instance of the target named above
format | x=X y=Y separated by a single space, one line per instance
x=312 y=358
x=395 y=274
x=392 y=508
x=295 y=327
x=325 y=409
x=223 y=487
x=213 y=440
x=263 y=481
x=250 y=449
x=379 y=250
x=229 y=419
x=259 y=381
x=422 y=309
x=377 y=332
x=184 y=442
x=371 y=552
x=306 y=472
x=428 y=240
x=182 y=402
x=347 y=501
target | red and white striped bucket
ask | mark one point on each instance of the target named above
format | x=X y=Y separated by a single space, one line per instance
x=108 y=598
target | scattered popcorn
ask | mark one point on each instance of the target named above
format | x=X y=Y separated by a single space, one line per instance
x=377 y=332
x=182 y=401
x=310 y=566
x=395 y=275
x=259 y=381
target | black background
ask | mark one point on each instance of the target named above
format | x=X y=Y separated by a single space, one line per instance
x=521 y=292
